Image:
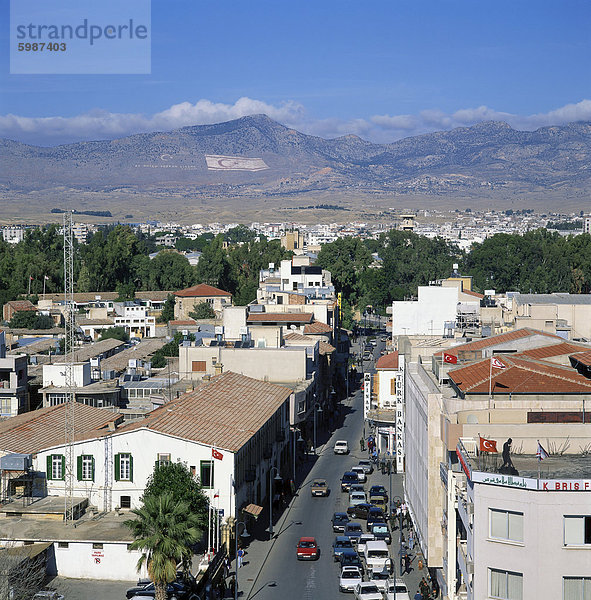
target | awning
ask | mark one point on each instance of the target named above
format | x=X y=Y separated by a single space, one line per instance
x=253 y=510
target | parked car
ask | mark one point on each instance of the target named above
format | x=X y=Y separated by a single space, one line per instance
x=378 y=490
x=359 y=511
x=341 y=447
x=50 y=595
x=356 y=487
x=401 y=590
x=376 y=555
x=340 y=544
x=350 y=558
x=307 y=549
x=179 y=589
x=379 y=501
x=360 y=473
x=319 y=487
x=367 y=466
x=381 y=532
x=353 y=530
x=350 y=577
x=347 y=480
x=375 y=515
x=366 y=590
x=339 y=520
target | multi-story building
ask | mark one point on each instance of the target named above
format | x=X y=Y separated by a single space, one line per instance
x=14 y=395
x=134 y=318
x=188 y=299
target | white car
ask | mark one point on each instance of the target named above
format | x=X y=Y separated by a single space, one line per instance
x=350 y=578
x=341 y=447
x=356 y=498
x=377 y=557
x=366 y=590
x=363 y=539
x=381 y=579
x=401 y=590
x=360 y=473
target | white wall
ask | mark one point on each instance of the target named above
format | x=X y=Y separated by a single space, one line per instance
x=427 y=315
x=144 y=445
x=56 y=374
x=542 y=558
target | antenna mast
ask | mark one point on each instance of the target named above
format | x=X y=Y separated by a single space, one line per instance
x=70 y=319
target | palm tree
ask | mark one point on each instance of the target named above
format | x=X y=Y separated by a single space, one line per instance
x=163 y=529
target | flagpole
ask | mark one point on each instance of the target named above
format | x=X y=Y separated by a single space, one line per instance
x=29 y=291
x=489 y=387
x=44 y=279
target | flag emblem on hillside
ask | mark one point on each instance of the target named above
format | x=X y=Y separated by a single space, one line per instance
x=217 y=162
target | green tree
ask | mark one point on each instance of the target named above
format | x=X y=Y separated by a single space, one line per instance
x=28 y=319
x=176 y=478
x=240 y=234
x=163 y=530
x=167 y=313
x=169 y=350
x=203 y=310
x=115 y=333
x=213 y=267
x=170 y=270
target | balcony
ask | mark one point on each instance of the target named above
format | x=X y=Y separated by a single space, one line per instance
x=466 y=512
x=465 y=563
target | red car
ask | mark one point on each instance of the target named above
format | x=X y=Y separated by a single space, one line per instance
x=307 y=549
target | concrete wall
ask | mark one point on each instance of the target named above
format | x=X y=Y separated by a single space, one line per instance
x=427 y=315
x=234 y=317
x=55 y=375
x=542 y=557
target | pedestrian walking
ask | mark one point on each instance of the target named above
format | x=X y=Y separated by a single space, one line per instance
x=362 y=444
x=407 y=563
x=240 y=557
x=418 y=596
x=424 y=587
x=411 y=539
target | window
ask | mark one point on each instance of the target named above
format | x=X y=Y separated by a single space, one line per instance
x=577 y=530
x=125 y=502
x=198 y=366
x=506 y=525
x=206 y=473
x=85 y=467
x=576 y=588
x=123 y=467
x=163 y=459
x=56 y=466
x=506 y=585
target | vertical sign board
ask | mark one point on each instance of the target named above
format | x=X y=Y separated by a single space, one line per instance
x=366 y=394
x=400 y=421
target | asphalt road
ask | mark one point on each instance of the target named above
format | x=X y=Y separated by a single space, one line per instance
x=311 y=517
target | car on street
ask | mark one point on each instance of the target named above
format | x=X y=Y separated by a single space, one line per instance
x=350 y=577
x=381 y=579
x=366 y=590
x=356 y=487
x=339 y=520
x=401 y=590
x=376 y=555
x=367 y=466
x=363 y=539
x=359 y=511
x=341 y=447
x=50 y=595
x=319 y=487
x=381 y=532
x=347 y=480
x=307 y=549
x=350 y=558
x=379 y=501
x=357 y=498
x=375 y=515
x=367 y=356
x=179 y=589
x=360 y=473
x=353 y=530
x=340 y=544
x=377 y=490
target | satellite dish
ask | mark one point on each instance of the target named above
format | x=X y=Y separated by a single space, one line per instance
x=294 y=327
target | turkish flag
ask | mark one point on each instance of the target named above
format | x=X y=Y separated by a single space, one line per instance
x=498 y=364
x=450 y=358
x=217 y=455
x=488 y=445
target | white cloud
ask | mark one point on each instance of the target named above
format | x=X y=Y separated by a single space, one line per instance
x=100 y=124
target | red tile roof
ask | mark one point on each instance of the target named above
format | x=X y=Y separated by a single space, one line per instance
x=280 y=317
x=183 y=322
x=521 y=375
x=494 y=340
x=388 y=361
x=475 y=294
x=20 y=305
x=316 y=328
x=325 y=348
x=297 y=337
x=225 y=412
x=44 y=428
x=201 y=290
x=554 y=350
x=582 y=358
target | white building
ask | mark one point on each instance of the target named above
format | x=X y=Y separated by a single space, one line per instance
x=14 y=397
x=518 y=537
x=135 y=319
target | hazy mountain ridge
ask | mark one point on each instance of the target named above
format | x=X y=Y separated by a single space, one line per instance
x=489 y=154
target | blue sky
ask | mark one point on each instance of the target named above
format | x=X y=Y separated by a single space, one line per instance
x=380 y=69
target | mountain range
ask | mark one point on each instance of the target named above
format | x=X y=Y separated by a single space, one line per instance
x=487 y=156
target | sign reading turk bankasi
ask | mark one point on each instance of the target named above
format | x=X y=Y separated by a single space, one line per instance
x=80 y=37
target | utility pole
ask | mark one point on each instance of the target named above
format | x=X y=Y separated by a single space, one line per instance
x=70 y=319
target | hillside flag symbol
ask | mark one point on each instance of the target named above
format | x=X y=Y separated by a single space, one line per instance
x=488 y=445
x=450 y=358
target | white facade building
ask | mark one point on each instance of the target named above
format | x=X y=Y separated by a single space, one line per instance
x=135 y=319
